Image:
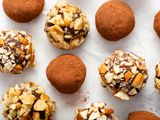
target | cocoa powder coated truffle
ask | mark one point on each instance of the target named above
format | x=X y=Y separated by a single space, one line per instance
x=66 y=73
x=23 y=10
x=114 y=20
x=124 y=73
x=157 y=23
x=142 y=115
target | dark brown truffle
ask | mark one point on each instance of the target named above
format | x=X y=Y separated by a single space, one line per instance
x=23 y=10
x=114 y=20
x=142 y=115
x=157 y=23
x=66 y=73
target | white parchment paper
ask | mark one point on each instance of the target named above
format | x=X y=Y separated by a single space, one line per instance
x=142 y=41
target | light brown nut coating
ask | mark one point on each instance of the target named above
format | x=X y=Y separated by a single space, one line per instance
x=27 y=101
x=66 y=26
x=95 y=111
x=124 y=73
x=16 y=51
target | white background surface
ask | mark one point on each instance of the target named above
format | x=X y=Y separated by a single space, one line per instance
x=142 y=41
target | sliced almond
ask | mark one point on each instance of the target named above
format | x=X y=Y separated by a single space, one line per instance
x=84 y=114
x=138 y=80
x=109 y=77
x=116 y=69
x=94 y=115
x=128 y=75
x=122 y=95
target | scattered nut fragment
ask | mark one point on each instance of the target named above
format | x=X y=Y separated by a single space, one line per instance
x=124 y=73
x=27 y=101
x=95 y=111
x=16 y=51
x=66 y=26
x=157 y=77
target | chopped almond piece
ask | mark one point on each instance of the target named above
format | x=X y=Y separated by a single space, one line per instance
x=138 y=80
x=23 y=41
x=108 y=111
x=102 y=69
x=1 y=43
x=128 y=75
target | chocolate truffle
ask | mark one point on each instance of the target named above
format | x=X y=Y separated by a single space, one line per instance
x=124 y=73
x=157 y=23
x=142 y=115
x=27 y=101
x=157 y=77
x=66 y=73
x=66 y=26
x=16 y=51
x=23 y=10
x=114 y=20
x=95 y=111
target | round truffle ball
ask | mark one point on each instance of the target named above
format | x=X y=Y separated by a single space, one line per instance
x=95 y=111
x=157 y=77
x=124 y=73
x=114 y=20
x=66 y=73
x=157 y=23
x=66 y=26
x=27 y=101
x=23 y=10
x=16 y=51
x=142 y=115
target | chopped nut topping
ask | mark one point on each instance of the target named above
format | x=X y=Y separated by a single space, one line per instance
x=66 y=25
x=16 y=49
x=96 y=111
x=125 y=73
x=23 y=101
x=157 y=77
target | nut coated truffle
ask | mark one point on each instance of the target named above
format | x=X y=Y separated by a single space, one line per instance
x=27 y=101
x=66 y=26
x=114 y=20
x=124 y=73
x=66 y=73
x=95 y=111
x=157 y=77
x=142 y=115
x=16 y=51
x=23 y=10
x=157 y=23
